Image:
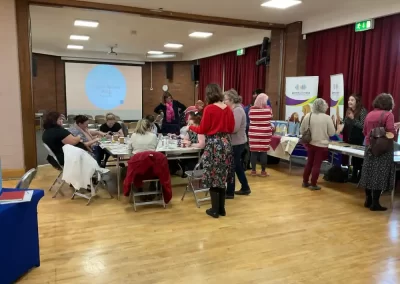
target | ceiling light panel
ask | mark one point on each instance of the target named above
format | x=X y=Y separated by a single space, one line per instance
x=173 y=45
x=79 y=37
x=200 y=34
x=161 y=56
x=281 y=4
x=83 y=23
x=72 y=46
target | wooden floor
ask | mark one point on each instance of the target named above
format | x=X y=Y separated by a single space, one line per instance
x=282 y=233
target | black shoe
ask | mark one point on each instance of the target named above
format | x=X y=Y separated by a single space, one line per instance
x=229 y=196
x=305 y=185
x=214 y=210
x=222 y=196
x=376 y=206
x=368 y=199
x=243 y=192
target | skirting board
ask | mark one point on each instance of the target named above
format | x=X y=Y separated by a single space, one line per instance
x=12 y=173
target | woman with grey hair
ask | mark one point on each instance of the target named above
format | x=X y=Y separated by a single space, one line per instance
x=322 y=128
x=238 y=140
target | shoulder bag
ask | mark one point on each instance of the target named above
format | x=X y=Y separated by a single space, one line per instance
x=306 y=137
x=380 y=143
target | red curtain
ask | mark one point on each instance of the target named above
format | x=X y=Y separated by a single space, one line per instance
x=230 y=70
x=369 y=61
x=211 y=71
x=237 y=72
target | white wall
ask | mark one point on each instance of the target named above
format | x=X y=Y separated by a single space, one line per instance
x=11 y=145
x=354 y=11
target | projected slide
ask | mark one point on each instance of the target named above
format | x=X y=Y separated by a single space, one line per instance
x=96 y=89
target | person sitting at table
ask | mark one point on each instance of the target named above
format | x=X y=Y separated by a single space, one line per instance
x=55 y=137
x=322 y=128
x=154 y=126
x=170 y=109
x=143 y=139
x=81 y=129
x=198 y=107
x=378 y=172
x=192 y=139
x=354 y=125
x=112 y=127
x=260 y=133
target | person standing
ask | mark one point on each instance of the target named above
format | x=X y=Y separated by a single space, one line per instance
x=217 y=124
x=170 y=109
x=239 y=140
x=260 y=133
x=353 y=126
x=322 y=128
x=378 y=172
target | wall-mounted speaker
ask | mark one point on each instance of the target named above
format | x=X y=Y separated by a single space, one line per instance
x=169 y=70
x=195 y=72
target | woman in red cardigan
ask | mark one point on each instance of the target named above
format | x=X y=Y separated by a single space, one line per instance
x=217 y=123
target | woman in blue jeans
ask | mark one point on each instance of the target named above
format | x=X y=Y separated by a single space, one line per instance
x=238 y=140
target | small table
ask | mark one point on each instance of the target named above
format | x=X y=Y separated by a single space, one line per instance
x=19 y=238
x=121 y=153
x=284 y=149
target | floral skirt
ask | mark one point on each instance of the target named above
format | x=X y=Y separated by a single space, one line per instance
x=217 y=160
x=377 y=172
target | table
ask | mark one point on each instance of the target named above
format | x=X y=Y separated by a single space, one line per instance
x=39 y=116
x=19 y=238
x=121 y=153
x=284 y=149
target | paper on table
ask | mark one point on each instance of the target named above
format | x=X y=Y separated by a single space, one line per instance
x=27 y=198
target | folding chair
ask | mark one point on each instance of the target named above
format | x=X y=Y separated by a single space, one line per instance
x=157 y=192
x=94 y=189
x=58 y=179
x=195 y=184
x=26 y=179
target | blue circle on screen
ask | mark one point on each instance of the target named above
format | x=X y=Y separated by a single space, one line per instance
x=106 y=87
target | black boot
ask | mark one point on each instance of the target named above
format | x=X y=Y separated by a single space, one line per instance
x=375 y=202
x=214 y=210
x=222 y=193
x=368 y=198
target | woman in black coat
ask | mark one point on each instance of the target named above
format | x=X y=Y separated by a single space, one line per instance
x=171 y=110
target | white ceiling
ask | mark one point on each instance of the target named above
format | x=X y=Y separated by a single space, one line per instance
x=51 y=28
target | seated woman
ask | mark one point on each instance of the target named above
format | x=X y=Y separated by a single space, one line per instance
x=111 y=126
x=192 y=139
x=55 y=137
x=154 y=126
x=80 y=128
x=142 y=138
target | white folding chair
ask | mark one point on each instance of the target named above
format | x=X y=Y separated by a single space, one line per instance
x=26 y=179
x=194 y=185
x=58 y=179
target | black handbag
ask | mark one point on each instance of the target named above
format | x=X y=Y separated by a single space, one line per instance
x=380 y=143
x=306 y=137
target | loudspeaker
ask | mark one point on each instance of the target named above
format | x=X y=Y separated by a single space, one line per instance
x=169 y=70
x=34 y=66
x=195 y=72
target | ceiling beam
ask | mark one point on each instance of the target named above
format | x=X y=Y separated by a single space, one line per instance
x=167 y=15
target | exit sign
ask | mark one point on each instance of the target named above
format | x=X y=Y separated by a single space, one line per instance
x=240 y=52
x=364 y=25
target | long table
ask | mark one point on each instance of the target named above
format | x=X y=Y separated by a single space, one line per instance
x=121 y=153
x=358 y=151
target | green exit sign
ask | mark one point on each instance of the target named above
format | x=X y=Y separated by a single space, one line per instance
x=364 y=25
x=240 y=52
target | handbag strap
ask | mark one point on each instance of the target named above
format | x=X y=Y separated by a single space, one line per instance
x=381 y=118
x=309 y=121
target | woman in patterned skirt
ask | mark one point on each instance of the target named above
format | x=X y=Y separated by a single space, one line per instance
x=377 y=175
x=217 y=123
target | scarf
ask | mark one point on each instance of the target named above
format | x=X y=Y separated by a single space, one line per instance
x=87 y=134
x=170 y=112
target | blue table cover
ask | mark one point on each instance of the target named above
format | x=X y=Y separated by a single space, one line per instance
x=19 y=238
